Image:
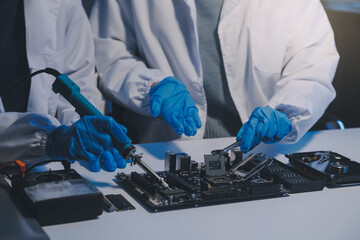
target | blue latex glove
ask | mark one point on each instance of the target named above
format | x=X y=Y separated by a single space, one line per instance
x=88 y=139
x=265 y=124
x=170 y=98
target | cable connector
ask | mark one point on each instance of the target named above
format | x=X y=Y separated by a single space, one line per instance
x=22 y=168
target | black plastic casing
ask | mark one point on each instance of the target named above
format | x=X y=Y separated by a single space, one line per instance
x=329 y=178
x=60 y=210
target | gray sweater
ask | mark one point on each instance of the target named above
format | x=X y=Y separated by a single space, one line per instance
x=222 y=117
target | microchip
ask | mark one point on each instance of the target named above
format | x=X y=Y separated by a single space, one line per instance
x=214 y=166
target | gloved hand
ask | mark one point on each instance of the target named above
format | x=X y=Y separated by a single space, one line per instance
x=170 y=98
x=88 y=139
x=265 y=124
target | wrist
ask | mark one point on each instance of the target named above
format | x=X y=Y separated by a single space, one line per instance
x=152 y=85
x=56 y=139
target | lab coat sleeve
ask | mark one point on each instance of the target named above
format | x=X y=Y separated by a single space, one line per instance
x=79 y=61
x=125 y=78
x=305 y=88
x=24 y=135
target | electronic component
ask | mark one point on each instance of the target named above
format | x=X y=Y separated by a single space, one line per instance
x=214 y=166
x=108 y=206
x=262 y=162
x=338 y=167
x=59 y=196
x=224 y=178
x=292 y=180
x=220 y=179
x=204 y=184
x=119 y=202
x=185 y=162
x=228 y=148
x=170 y=161
x=239 y=164
x=330 y=167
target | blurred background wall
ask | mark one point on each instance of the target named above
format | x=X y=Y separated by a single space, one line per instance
x=344 y=16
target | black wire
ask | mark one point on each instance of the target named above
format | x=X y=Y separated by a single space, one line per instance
x=50 y=71
x=21 y=81
x=7 y=163
x=5 y=174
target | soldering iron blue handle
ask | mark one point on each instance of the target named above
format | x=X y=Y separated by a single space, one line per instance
x=71 y=92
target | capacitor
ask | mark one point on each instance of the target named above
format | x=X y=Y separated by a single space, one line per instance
x=338 y=167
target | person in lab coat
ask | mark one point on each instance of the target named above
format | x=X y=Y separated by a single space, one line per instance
x=267 y=64
x=36 y=123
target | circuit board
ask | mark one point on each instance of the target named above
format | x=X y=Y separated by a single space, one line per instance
x=333 y=169
x=219 y=179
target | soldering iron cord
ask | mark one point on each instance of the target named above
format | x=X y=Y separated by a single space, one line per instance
x=50 y=71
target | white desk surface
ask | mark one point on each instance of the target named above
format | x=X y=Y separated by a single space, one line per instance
x=328 y=214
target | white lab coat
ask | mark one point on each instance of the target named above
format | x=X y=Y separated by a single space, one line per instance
x=276 y=53
x=58 y=35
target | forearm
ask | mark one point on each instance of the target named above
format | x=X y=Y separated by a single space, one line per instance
x=305 y=90
x=23 y=136
x=302 y=113
x=126 y=77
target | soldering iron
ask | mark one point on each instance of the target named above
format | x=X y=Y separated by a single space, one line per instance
x=71 y=92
